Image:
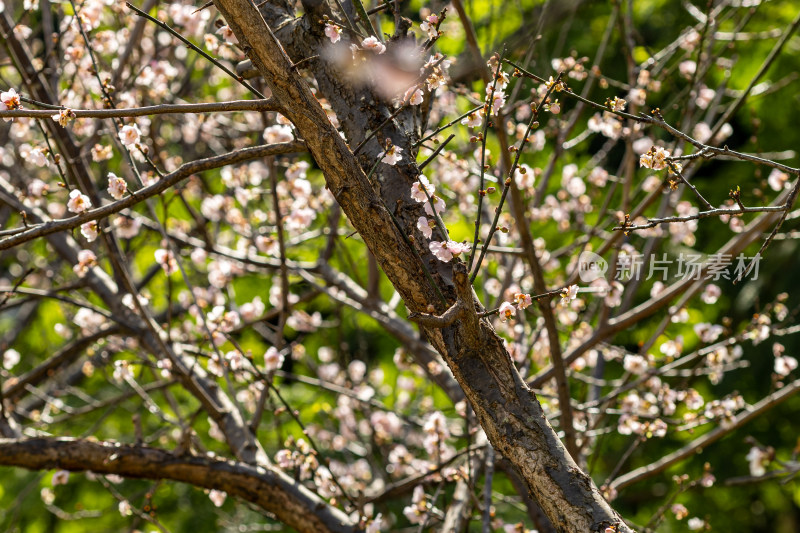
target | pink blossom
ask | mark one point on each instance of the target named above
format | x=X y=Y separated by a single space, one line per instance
x=413 y=96
x=374 y=525
x=635 y=364
x=88 y=320
x=419 y=188
x=417 y=512
x=78 y=202
x=267 y=245
x=617 y=104
x=598 y=177
x=284 y=459
x=429 y=26
x=426 y=225
x=230 y=38
x=473 y=120
x=300 y=219
x=638 y=96
x=37 y=188
x=9 y=99
x=687 y=68
x=333 y=32
x=655 y=158
x=758 y=459
x=523 y=300
x=101 y=153
x=252 y=310
x=391 y=155
x=372 y=43
x=435 y=428
x=438 y=204
x=507 y=310
x=708 y=333
x=498 y=101
x=440 y=251
x=457 y=248
x=569 y=293
x=704 y=97
x=695 y=524
x=446 y=250
x=680 y=511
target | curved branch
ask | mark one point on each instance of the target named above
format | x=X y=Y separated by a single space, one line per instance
x=266 y=487
x=184 y=171
x=267 y=104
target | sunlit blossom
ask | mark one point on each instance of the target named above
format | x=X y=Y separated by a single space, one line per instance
x=130 y=135
x=473 y=120
x=64 y=116
x=89 y=230
x=9 y=100
x=78 y=202
x=429 y=25
x=392 y=155
x=10 y=358
x=438 y=205
x=217 y=497
x=125 y=508
x=227 y=33
x=372 y=43
x=426 y=225
x=569 y=293
x=523 y=300
x=419 y=189
x=507 y=310
x=116 y=186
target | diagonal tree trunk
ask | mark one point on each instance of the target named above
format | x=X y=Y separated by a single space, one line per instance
x=507 y=410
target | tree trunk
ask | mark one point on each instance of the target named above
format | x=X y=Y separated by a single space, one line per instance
x=506 y=408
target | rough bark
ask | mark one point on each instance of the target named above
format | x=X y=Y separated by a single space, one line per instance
x=289 y=501
x=506 y=408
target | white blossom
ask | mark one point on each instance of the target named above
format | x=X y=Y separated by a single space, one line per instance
x=78 y=202
x=130 y=135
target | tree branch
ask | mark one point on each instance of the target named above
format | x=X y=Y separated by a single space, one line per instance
x=274 y=492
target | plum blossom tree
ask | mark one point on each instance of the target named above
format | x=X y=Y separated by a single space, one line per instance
x=186 y=192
